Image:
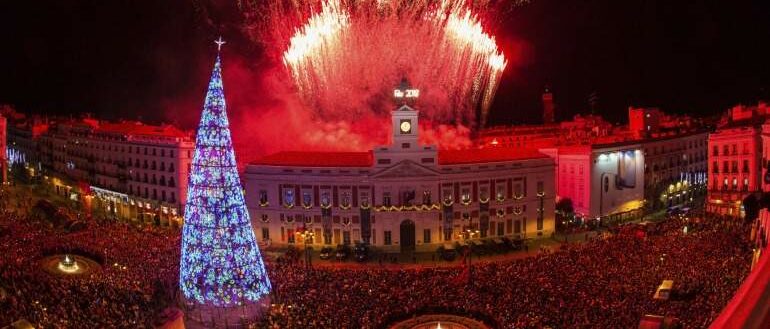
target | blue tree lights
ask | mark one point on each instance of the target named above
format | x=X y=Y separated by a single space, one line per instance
x=221 y=264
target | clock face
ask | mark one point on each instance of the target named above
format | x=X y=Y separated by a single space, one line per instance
x=406 y=127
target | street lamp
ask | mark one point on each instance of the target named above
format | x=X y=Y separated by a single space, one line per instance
x=307 y=235
x=468 y=234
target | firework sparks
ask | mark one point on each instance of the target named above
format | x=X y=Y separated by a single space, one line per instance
x=347 y=55
x=341 y=59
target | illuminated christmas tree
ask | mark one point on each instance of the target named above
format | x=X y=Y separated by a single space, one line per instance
x=221 y=264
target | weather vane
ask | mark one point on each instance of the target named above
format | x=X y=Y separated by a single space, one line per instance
x=219 y=43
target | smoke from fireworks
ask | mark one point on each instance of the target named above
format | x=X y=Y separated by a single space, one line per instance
x=342 y=58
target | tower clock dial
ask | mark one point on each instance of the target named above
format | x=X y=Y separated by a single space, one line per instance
x=406 y=127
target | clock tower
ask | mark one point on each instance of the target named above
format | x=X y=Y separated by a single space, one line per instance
x=404 y=138
x=404 y=118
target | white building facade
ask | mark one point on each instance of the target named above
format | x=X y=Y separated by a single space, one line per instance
x=603 y=180
x=125 y=170
x=401 y=197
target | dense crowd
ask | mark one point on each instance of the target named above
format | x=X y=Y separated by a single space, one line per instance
x=137 y=279
x=605 y=283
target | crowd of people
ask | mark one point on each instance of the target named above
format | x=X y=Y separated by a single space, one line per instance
x=136 y=281
x=607 y=282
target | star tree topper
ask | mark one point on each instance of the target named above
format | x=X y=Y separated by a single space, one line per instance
x=219 y=43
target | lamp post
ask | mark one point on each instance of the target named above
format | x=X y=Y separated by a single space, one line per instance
x=307 y=235
x=468 y=234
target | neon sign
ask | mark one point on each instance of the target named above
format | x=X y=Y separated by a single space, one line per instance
x=408 y=93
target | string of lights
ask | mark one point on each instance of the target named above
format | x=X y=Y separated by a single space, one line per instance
x=221 y=264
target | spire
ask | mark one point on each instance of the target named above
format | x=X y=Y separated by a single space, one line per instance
x=221 y=264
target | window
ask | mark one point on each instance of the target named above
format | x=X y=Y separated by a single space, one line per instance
x=163 y=195
x=327 y=238
x=426 y=235
x=465 y=195
x=715 y=165
x=518 y=190
x=345 y=200
x=500 y=193
x=265 y=234
x=735 y=183
x=745 y=166
x=346 y=237
x=162 y=152
x=307 y=199
x=387 y=238
x=171 y=182
x=745 y=184
x=171 y=167
x=540 y=221
x=426 y=197
x=290 y=234
x=173 y=197
x=386 y=199
x=540 y=187
x=725 y=167
x=288 y=197
x=735 y=166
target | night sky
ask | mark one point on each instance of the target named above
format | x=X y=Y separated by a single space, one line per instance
x=131 y=59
